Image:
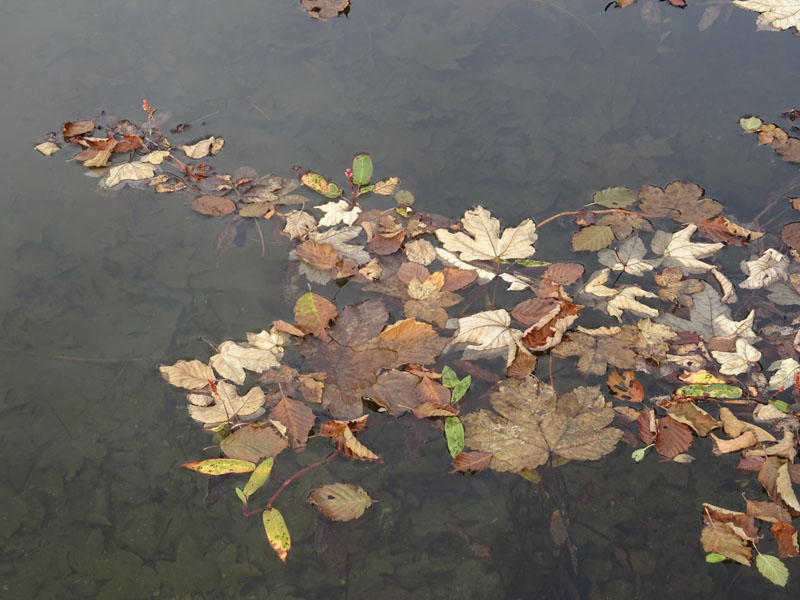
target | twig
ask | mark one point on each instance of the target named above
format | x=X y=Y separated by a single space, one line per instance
x=610 y=210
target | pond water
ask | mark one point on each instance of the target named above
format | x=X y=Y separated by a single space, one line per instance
x=526 y=107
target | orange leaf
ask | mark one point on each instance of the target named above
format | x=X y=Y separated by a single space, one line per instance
x=472 y=461
x=625 y=387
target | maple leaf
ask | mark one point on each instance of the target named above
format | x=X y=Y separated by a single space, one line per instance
x=785 y=372
x=229 y=405
x=597 y=351
x=486 y=243
x=775 y=14
x=299 y=223
x=203 y=148
x=679 y=251
x=428 y=301
x=680 y=200
x=675 y=289
x=488 y=332
x=531 y=422
x=708 y=316
x=765 y=270
x=735 y=363
x=627 y=258
x=233 y=359
x=619 y=300
x=338 y=212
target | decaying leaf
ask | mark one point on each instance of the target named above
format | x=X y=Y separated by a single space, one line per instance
x=296 y=417
x=299 y=223
x=765 y=270
x=189 y=374
x=233 y=359
x=338 y=212
x=488 y=333
x=134 y=171
x=253 y=443
x=229 y=405
x=340 y=501
x=680 y=200
x=531 y=422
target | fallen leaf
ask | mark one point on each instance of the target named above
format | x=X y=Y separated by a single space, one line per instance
x=786 y=536
x=340 y=501
x=765 y=270
x=488 y=332
x=532 y=421
x=722 y=539
x=472 y=461
x=233 y=359
x=298 y=224
x=625 y=387
x=298 y=419
x=486 y=242
x=338 y=212
x=220 y=466
x=775 y=14
x=214 y=206
x=325 y=9
x=592 y=238
x=229 y=405
x=679 y=251
x=277 y=532
x=673 y=438
x=73 y=129
x=253 y=443
x=722 y=229
x=385 y=187
x=627 y=258
x=201 y=149
x=134 y=171
x=47 y=148
x=313 y=313
x=681 y=201
x=191 y=375
x=771 y=567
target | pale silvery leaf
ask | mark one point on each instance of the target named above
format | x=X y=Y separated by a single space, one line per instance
x=785 y=372
x=451 y=260
x=724 y=326
x=299 y=223
x=132 y=171
x=707 y=306
x=487 y=331
x=269 y=340
x=728 y=291
x=338 y=238
x=233 y=359
x=421 y=251
x=679 y=251
x=735 y=363
x=770 y=267
x=338 y=212
x=596 y=286
x=626 y=300
x=627 y=258
x=775 y=14
x=783 y=294
x=486 y=242
x=228 y=404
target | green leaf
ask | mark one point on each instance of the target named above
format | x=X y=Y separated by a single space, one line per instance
x=454 y=432
x=319 y=184
x=715 y=557
x=638 y=455
x=220 y=466
x=365 y=190
x=404 y=197
x=781 y=405
x=750 y=124
x=772 y=568
x=715 y=390
x=449 y=377
x=529 y=262
x=277 y=532
x=240 y=495
x=362 y=169
x=615 y=197
x=460 y=389
x=258 y=477
x=593 y=237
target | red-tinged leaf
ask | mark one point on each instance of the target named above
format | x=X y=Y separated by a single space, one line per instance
x=673 y=438
x=214 y=206
x=787 y=539
x=456 y=279
x=434 y=409
x=472 y=461
x=384 y=244
x=431 y=391
x=298 y=418
x=647 y=426
x=312 y=313
x=721 y=538
x=564 y=273
x=221 y=466
x=625 y=387
x=319 y=255
x=790 y=234
x=678 y=3
x=277 y=532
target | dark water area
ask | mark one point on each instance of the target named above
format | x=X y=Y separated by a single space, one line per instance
x=525 y=107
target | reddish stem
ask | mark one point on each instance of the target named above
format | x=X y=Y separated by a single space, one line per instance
x=300 y=473
x=610 y=210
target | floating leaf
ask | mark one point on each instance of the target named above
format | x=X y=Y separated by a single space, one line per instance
x=191 y=374
x=312 y=313
x=229 y=405
x=532 y=421
x=454 y=434
x=460 y=389
x=486 y=242
x=592 y=238
x=298 y=419
x=221 y=466
x=338 y=212
x=615 y=197
x=277 y=532
x=386 y=187
x=775 y=14
x=715 y=557
x=772 y=567
x=233 y=359
x=750 y=124
x=340 y=501
x=471 y=461
x=253 y=443
x=625 y=387
x=134 y=171
x=258 y=478
x=362 y=169
x=47 y=148
x=321 y=185
x=214 y=206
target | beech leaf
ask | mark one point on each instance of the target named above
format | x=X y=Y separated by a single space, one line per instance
x=340 y=501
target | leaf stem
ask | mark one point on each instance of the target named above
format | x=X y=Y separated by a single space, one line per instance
x=300 y=473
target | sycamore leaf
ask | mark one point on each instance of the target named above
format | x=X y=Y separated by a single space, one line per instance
x=386 y=187
x=203 y=148
x=340 y=501
x=626 y=300
x=531 y=422
x=679 y=251
x=129 y=172
x=772 y=567
x=299 y=223
x=428 y=301
x=191 y=375
x=338 y=212
x=339 y=238
x=627 y=258
x=486 y=242
x=233 y=359
x=708 y=316
x=680 y=200
x=735 y=363
x=489 y=331
x=785 y=372
x=762 y=272
x=228 y=405
x=775 y=14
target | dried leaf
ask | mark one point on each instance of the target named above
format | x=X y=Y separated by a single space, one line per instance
x=233 y=359
x=338 y=212
x=296 y=417
x=202 y=148
x=592 y=238
x=486 y=243
x=340 y=501
x=625 y=387
x=673 y=438
x=680 y=201
x=229 y=405
x=134 y=171
x=214 y=206
x=471 y=461
x=188 y=374
x=298 y=224
x=47 y=148
x=253 y=443
x=313 y=313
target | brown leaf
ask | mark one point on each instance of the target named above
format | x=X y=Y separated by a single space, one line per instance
x=597 y=351
x=414 y=342
x=340 y=501
x=536 y=311
x=456 y=279
x=790 y=234
x=298 y=419
x=523 y=364
x=409 y=271
x=312 y=313
x=673 y=438
x=786 y=535
x=689 y=414
x=745 y=524
x=214 y=206
x=768 y=511
x=624 y=224
x=253 y=443
x=680 y=200
x=545 y=334
x=471 y=461
x=428 y=301
x=428 y=390
x=395 y=391
x=558 y=530
x=625 y=387
x=722 y=229
x=319 y=255
x=648 y=427
x=564 y=273
x=532 y=421
x=73 y=129
x=384 y=244
x=351 y=447
x=434 y=409
x=360 y=323
x=721 y=538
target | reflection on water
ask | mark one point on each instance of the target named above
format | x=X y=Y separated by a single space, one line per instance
x=524 y=106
